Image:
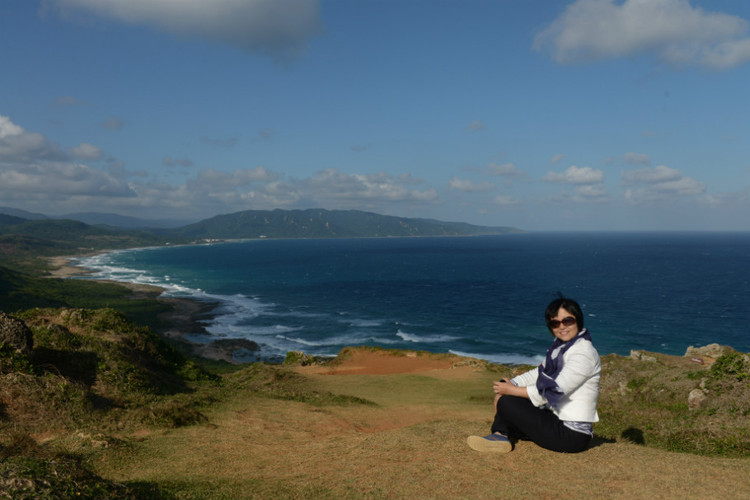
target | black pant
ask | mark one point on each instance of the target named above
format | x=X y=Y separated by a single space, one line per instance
x=518 y=418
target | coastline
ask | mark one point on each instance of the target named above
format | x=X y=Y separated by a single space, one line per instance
x=406 y=415
x=185 y=317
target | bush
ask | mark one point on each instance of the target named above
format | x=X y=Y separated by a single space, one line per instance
x=734 y=365
x=12 y=361
x=96 y=369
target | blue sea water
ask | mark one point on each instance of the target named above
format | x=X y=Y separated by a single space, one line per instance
x=480 y=296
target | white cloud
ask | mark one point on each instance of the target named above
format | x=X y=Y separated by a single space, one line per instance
x=658 y=174
x=576 y=175
x=660 y=183
x=469 y=186
x=409 y=179
x=582 y=194
x=332 y=185
x=50 y=180
x=588 y=193
x=86 y=151
x=8 y=128
x=505 y=170
x=215 y=191
x=684 y=186
x=505 y=200
x=672 y=30
x=739 y=198
x=213 y=179
x=588 y=182
x=18 y=145
x=281 y=28
x=34 y=169
x=637 y=158
x=557 y=158
x=39 y=176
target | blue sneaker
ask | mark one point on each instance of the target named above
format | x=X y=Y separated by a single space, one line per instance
x=495 y=443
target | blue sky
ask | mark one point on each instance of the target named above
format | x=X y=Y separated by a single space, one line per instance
x=570 y=115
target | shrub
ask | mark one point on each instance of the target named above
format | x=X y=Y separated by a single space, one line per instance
x=733 y=365
x=12 y=361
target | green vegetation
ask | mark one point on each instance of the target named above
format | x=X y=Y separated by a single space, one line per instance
x=91 y=376
x=20 y=238
x=20 y=291
x=91 y=364
x=64 y=237
x=734 y=367
x=318 y=223
x=94 y=378
x=647 y=402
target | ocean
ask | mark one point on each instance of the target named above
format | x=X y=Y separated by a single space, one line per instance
x=480 y=296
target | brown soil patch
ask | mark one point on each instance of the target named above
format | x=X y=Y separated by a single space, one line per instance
x=363 y=361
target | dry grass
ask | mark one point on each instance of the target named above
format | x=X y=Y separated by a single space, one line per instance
x=107 y=406
x=410 y=444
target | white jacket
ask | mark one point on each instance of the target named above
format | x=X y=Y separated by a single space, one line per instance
x=578 y=379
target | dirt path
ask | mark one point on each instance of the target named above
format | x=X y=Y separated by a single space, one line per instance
x=411 y=445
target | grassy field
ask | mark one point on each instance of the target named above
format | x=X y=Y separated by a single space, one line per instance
x=105 y=409
x=406 y=441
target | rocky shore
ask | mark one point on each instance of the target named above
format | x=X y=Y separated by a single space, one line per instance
x=186 y=317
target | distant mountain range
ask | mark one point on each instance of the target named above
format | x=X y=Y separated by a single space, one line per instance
x=100 y=219
x=319 y=223
x=21 y=230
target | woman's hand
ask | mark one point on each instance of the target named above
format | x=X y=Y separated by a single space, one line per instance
x=505 y=387
x=502 y=387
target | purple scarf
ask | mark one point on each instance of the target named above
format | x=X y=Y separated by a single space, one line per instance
x=553 y=365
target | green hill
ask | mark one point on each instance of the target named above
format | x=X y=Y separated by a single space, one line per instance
x=319 y=223
x=10 y=220
x=25 y=242
x=59 y=237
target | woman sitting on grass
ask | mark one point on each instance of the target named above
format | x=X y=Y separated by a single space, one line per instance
x=553 y=405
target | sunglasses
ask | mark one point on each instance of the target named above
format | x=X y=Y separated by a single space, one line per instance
x=569 y=321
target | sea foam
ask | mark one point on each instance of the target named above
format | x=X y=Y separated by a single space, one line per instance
x=503 y=359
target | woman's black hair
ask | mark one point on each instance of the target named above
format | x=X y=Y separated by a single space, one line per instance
x=569 y=305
